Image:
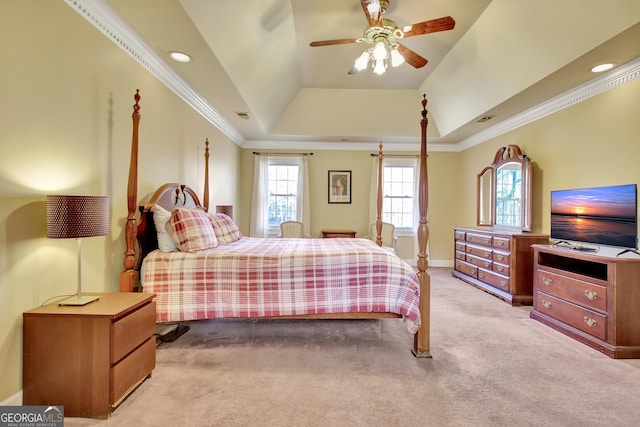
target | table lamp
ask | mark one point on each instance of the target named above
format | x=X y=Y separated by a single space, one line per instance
x=75 y=217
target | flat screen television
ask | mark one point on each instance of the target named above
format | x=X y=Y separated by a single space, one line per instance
x=597 y=216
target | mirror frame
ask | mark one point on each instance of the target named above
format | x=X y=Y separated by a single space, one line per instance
x=486 y=201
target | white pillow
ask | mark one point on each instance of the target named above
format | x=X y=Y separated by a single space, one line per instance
x=160 y=217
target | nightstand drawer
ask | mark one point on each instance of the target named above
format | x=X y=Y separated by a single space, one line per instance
x=132 y=330
x=132 y=370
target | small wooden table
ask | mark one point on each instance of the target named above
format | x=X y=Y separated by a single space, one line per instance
x=332 y=234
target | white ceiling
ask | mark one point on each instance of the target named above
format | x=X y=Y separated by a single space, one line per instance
x=502 y=58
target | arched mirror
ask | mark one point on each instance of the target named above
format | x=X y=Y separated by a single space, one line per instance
x=504 y=190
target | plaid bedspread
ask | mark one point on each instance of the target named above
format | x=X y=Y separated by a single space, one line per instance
x=255 y=277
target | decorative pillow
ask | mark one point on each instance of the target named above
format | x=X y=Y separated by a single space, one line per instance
x=191 y=230
x=226 y=230
x=161 y=217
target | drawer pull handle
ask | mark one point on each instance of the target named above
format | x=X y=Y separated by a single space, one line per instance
x=499 y=243
x=486 y=241
x=547 y=304
x=468 y=249
x=499 y=268
x=500 y=257
x=590 y=322
x=487 y=264
x=503 y=283
x=481 y=275
x=547 y=281
x=486 y=254
x=590 y=294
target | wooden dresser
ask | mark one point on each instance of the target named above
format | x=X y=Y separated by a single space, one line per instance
x=332 y=234
x=88 y=358
x=497 y=261
x=591 y=298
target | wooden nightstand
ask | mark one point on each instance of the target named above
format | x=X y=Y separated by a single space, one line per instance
x=330 y=234
x=88 y=358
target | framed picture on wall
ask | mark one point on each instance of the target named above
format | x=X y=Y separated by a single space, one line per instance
x=339 y=186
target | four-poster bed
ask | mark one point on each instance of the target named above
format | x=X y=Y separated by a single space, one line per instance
x=300 y=278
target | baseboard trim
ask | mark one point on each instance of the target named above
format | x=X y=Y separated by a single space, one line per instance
x=15 y=400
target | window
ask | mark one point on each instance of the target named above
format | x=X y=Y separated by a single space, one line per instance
x=282 y=196
x=398 y=191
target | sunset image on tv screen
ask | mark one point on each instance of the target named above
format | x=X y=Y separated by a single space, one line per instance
x=599 y=215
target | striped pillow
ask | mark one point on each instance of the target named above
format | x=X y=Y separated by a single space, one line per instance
x=191 y=230
x=226 y=230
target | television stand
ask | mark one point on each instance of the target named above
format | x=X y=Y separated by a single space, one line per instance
x=591 y=298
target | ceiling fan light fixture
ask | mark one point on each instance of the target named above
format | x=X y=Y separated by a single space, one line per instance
x=396 y=58
x=379 y=69
x=362 y=61
x=380 y=51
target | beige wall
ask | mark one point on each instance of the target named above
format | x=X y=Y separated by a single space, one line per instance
x=592 y=143
x=65 y=106
x=355 y=216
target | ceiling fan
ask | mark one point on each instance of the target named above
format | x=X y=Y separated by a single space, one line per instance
x=383 y=35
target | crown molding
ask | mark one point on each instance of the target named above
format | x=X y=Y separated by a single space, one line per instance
x=617 y=77
x=105 y=19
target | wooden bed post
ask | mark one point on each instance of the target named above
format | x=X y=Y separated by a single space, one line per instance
x=421 y=338
x=379 y=200
x=129 y=277
x=205 y=198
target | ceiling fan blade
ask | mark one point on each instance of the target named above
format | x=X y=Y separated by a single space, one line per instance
x=371 y=20
x=432 y=26
x=332 y=42
x=411 y=57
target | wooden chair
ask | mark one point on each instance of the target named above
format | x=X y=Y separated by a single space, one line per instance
x=388 y=234
x=290 y=229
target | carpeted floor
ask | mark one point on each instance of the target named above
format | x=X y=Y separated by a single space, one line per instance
x=492 y=366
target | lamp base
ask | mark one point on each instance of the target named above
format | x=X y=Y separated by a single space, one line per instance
x=79 y=300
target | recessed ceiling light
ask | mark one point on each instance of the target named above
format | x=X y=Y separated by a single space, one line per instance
x=179 y=56
x=602 y=67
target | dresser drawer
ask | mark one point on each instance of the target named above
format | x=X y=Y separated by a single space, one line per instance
x=479 y=251
x=482 y=239
x=461 y=246
x=501 y=257
x=479 y=261
x=132 y=330
x=588 y=321
x=501 y=242
x=501 y=268
x=496 y=280
x=132 y=370
x=589 y=295
x=461 y=255
x=459 y=235
x=466 y=268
